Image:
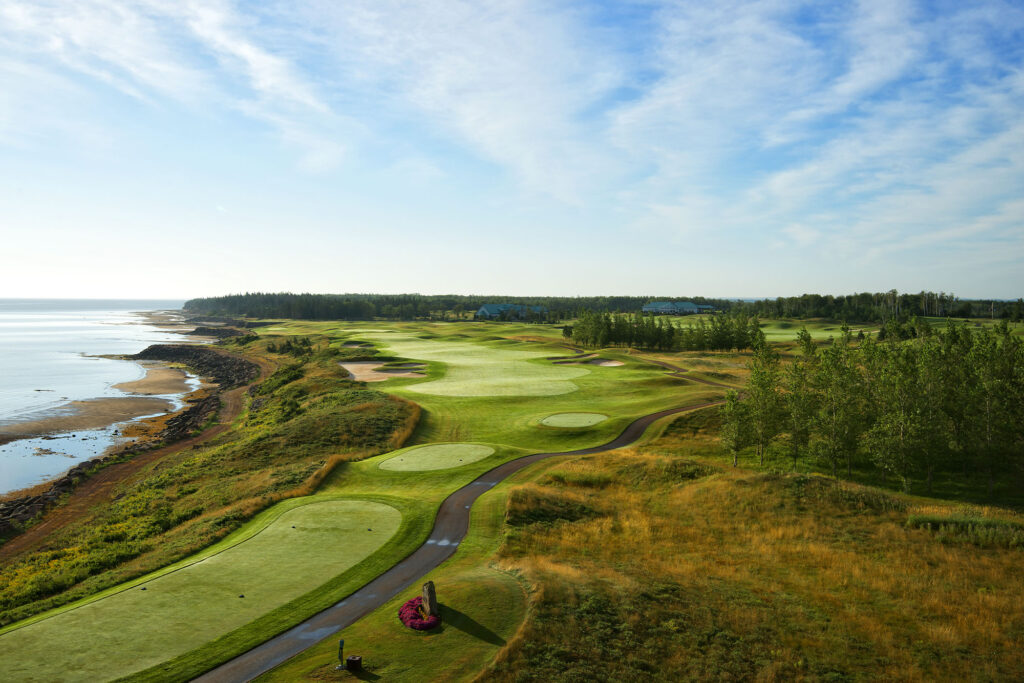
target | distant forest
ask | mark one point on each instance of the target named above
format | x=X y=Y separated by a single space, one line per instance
x=861 y=308
x=409 y=306
x=882 y=307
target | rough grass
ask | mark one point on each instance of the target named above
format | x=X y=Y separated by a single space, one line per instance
x=573 y=420
x=687 y=571
x=183 y=609
x=436 y=457
x=983 y=532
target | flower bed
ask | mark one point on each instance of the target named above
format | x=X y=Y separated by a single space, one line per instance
x=411 y=614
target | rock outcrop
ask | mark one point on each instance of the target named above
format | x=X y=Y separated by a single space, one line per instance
x=227 y=371
x=216 y=332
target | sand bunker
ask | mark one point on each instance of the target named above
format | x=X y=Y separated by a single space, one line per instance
x=374 y=371
x=158 y=380
x=356 y=345
x=81 y=415
x=436 y=457
x=605 y=363
x=573 y=420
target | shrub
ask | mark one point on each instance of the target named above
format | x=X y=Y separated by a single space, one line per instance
x=411 y=614
x=979 y=531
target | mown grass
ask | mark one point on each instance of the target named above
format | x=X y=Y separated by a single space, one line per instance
x=435 y=457
x=482 y=607
x=624 y=393
x=178 y=611
x=573 y=420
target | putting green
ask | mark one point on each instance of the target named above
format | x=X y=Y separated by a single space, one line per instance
x=179 y=611
x=436 y=457
x=484 y=370
x=573 y=419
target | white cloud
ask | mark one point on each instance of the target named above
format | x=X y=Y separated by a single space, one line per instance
x=510 y=80
x=868 y=131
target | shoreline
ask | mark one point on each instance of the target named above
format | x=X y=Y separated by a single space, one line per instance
x=69 y=432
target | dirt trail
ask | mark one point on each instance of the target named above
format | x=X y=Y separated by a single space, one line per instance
x=99 y=488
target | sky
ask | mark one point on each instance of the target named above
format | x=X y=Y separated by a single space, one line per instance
x=728 y=149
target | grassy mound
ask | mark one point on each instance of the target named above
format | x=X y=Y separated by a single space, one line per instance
x=436 y=457
x=180 y=610
x=573 y=420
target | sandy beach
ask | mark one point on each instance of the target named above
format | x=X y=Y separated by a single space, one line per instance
x=80 y=415
x=159 y=379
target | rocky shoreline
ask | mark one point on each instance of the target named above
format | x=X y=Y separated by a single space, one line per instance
x=224 y=370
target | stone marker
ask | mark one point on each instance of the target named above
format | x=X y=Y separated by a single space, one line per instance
x=430 y=600
x=354 y=663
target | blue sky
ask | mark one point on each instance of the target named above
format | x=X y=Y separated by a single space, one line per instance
x=178 y=149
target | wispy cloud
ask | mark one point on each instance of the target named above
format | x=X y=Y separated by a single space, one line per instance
x=865 y=131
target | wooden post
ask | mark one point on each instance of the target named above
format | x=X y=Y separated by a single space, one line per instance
x=430 y=600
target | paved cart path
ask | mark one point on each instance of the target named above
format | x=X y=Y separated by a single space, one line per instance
x=450 y=527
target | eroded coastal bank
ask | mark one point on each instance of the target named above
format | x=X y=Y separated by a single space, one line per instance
x=179 y=393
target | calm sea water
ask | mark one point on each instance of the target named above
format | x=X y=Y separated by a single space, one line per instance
x=47 y=358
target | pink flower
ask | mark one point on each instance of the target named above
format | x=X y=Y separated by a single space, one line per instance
x=411 y=614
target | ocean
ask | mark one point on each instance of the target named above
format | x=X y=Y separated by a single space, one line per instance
x=48 y=357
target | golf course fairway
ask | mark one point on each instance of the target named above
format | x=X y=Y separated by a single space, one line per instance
x=180 y=610
x=480 y=370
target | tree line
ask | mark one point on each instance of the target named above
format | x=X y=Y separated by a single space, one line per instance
x=942 y=402
x=880 y=307
x=405 y=306
x=864 y=307
x=715 y=333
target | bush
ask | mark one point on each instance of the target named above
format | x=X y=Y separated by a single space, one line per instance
x=411 y=614
x=980 y=531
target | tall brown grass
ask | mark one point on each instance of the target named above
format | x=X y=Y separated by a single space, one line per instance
x=768 y=577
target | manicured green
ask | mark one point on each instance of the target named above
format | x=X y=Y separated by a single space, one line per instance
x=479 y=370
x=183 y=609
x=436 y=457
x=573 y=420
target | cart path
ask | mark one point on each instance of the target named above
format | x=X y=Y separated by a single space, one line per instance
x=450 y=526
